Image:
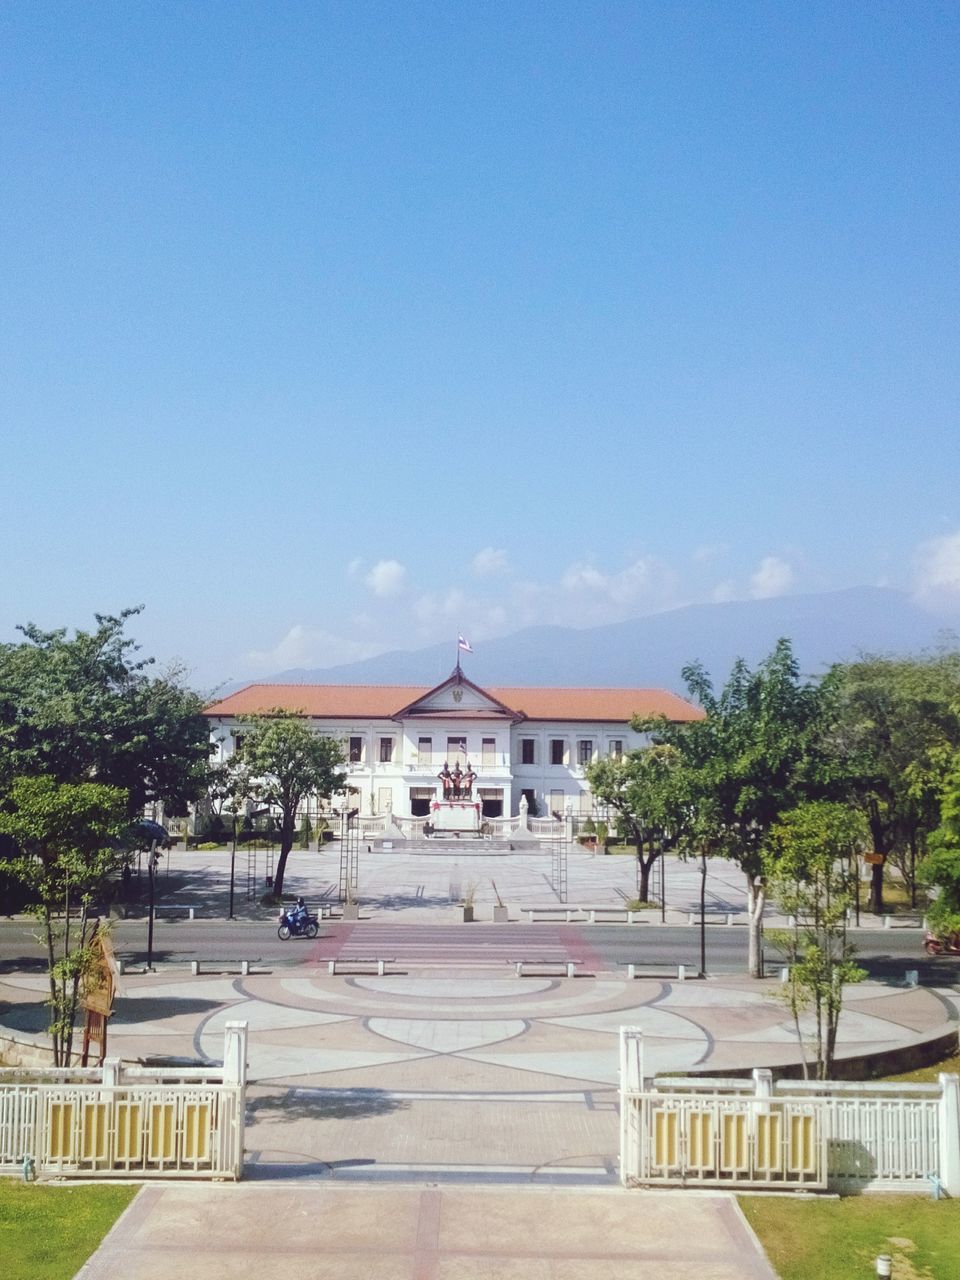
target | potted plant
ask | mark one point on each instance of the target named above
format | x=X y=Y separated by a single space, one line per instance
x=500 y=912
x=466 y=903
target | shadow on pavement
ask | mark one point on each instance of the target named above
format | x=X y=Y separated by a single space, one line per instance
x=323 y=1104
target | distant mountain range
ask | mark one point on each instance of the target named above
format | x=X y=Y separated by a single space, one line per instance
x=650 y=652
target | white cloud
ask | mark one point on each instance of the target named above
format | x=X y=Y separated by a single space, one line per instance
x=489 y=561
x=937 y=571
x=386 y=578
x=773 y=577
x=355 y=567
x=304 y=646
x=647 y=582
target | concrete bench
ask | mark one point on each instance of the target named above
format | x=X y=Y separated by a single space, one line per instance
x=550 y=913
x=655 y=969
x=360 y=964
x=711 y=917
x=176 y=906
x=583 y=914
x=567 y=967
x=220 y=966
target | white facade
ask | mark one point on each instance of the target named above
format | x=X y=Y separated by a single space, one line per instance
x=394 y=757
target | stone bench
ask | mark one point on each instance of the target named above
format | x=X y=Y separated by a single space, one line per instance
x=567 y=967
x=176 y=906
x=711 y=917
x=359 y=963
x=582 y=914
x=221 y=966
x=654 y=969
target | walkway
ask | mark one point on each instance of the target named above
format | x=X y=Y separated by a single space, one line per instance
x=405 y=1233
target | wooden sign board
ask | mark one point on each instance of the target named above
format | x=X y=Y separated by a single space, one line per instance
x=99 y=990
x=873 y=859
x=99 y=987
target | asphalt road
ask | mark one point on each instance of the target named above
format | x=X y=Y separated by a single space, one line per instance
x=886 y=953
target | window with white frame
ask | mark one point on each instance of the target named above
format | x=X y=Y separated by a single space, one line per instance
x=557 y=750
x=457 y=751
x=488 y=752
x=584 y=751
x=386 y=750
x=615 y=749
x=355 y=751
x=424 y=751
x=528 y=751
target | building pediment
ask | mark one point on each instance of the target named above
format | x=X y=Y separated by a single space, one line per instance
x=458 y=698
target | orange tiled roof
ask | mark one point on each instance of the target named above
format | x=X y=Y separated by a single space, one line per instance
x=352 y=701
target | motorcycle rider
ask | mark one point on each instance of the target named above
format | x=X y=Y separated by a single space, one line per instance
x=299 y=916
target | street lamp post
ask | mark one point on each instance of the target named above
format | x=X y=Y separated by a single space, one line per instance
x=152 y=858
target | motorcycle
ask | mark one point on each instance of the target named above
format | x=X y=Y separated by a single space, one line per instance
x=308 y=927
x=934 y=946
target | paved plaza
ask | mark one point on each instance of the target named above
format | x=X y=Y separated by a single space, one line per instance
x=448 y=1119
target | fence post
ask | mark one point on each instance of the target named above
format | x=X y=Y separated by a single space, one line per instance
x=111 y=1073
x=631 y=1058
x=235 y=1053
x=762 y=1089
x=949 y=1133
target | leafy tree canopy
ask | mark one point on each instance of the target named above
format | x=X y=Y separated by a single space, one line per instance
x=283 y=761
x=69 y=837
x=84 y=708
x=894 y=727
x=754 y=756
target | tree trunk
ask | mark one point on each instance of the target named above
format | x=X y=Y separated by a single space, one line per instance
x=875 y=900
x=644 y=866
x=286 y=844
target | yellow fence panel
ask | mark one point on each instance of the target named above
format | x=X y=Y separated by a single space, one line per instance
x=700 y=1131
x=162 y=1132
x=129 y=1132
x=196 y=1131
x=802 y=1156
x=666 y=1147
x=734 y=1147
x=60 y=1135
x=95 y=1131
x=769 y=1154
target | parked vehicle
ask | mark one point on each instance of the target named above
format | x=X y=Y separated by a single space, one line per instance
x=293 y=925
x=934 y=946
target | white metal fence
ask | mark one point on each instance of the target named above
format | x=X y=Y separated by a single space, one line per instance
x=789 y=1133
x=128 y=1121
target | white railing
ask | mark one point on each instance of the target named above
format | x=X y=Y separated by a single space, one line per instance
x=792 y=1133
x=118 y=1121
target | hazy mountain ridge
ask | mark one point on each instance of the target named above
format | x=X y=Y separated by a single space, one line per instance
x=651 y=651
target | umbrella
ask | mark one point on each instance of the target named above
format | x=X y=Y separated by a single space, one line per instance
x=150 y=830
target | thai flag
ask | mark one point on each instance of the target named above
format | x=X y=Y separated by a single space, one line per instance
x=464 y=644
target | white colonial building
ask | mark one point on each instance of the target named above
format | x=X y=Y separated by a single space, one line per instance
x=529 y=742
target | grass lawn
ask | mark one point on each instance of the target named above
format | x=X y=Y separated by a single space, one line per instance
x=840 y=1239
x=47 y=1233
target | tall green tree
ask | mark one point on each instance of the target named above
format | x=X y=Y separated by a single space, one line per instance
x=755 y=754
x=940 y=869
x=807 y=860
x=894 y=726
x=69 y=841
x=647 y=790
x=86 y=708
x=284 y=762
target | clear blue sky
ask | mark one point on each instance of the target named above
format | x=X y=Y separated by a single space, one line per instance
x=334 y=327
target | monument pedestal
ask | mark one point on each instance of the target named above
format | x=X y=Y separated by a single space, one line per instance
x=455 y=817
